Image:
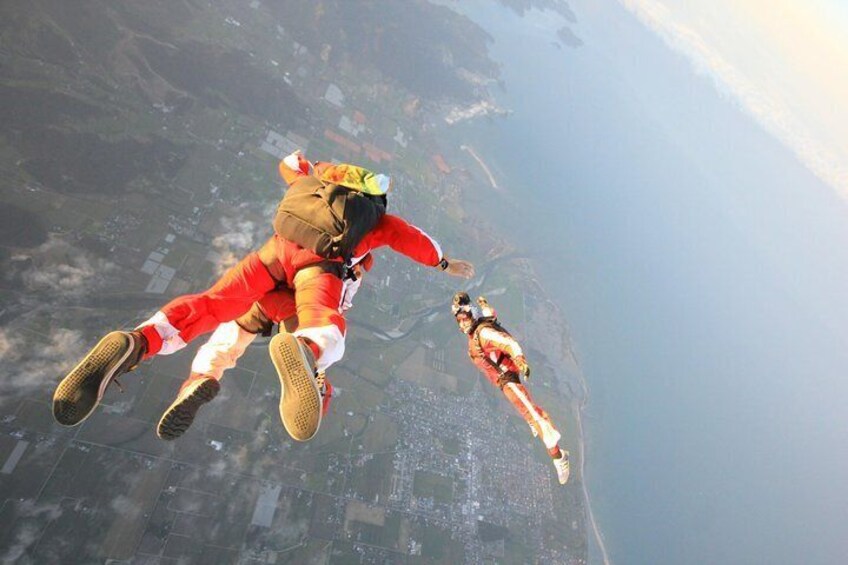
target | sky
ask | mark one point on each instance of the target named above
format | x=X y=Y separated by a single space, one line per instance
x=785 y=62
x=684 y=196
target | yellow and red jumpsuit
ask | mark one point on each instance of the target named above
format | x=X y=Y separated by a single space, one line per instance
x=492 y=350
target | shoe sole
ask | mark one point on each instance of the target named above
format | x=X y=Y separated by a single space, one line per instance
x=300 y=400
x=81 y=390
x=181 y=413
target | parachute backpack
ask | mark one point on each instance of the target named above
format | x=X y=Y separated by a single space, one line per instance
x=330 y=215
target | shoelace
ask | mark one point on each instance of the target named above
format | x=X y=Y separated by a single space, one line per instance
x=118 y=384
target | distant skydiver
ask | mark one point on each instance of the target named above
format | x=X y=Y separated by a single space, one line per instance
x=331 y=217
x=228 y=343
x=500 y=358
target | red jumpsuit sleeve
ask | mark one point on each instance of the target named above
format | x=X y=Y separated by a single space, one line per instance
x=404 y=238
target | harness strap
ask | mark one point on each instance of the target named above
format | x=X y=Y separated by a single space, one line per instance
x=504 y=377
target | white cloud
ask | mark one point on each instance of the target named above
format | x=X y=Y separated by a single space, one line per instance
x=58 y=268
x=31 y=520
x=217 y=469
x=30 y=362
x=771 y=113
x=126 y=507
x=239 y=237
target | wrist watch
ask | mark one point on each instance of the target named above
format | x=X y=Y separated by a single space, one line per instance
x=443 y=264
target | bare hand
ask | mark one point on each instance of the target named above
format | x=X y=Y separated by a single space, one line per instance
x=523 y=367
x=460 y=268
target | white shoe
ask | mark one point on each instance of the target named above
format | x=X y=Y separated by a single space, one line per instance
x=562 y=467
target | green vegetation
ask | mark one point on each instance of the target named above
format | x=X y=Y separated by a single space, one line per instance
x=451 y=446
x=438 y=547
x=433 y=486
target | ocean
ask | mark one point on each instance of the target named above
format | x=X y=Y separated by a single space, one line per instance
x=702 y=270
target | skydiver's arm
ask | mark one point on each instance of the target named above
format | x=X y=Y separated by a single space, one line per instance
x=406 y=239
x=416 y=244
x=486 y=309
x=502 y=341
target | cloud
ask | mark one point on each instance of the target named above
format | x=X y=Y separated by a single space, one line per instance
x=239 y=237
x=126 y=507
x=60 y=270
x=774 y=116
x=30 y=363
x=217 y=469
x=31 y=519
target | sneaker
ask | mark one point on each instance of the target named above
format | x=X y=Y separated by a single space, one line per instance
x=562 y=467
x=195 y=392
x=300 y=399
x=81 y=390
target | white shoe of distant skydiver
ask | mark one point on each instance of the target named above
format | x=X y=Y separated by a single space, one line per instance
x=562 y=467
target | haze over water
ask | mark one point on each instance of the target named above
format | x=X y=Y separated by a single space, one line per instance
x=703 y=271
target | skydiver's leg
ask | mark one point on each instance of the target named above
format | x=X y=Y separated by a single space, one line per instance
x=518 y=395
x=189 y=316
x=167 y=331
x=221 y=352
x=293 y=167
x=318 y=297
x=229 y=342
x=317 y=343
x=279 y=307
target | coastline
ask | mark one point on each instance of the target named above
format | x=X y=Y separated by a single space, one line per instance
x=578 y=407
x=559 y=353
x=579 y=402
x=492 y=181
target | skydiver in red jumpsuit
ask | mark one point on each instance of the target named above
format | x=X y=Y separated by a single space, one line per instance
x=317 y=287
x=501 y=360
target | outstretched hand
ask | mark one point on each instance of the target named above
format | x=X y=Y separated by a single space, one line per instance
x=460 y=268
x=522 y=365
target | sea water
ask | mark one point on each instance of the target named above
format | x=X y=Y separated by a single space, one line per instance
x=703 y=273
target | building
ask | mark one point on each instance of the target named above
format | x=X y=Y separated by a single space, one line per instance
x=342 y=142
x=279 y=146
x=334 y=96
x=351 y=126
